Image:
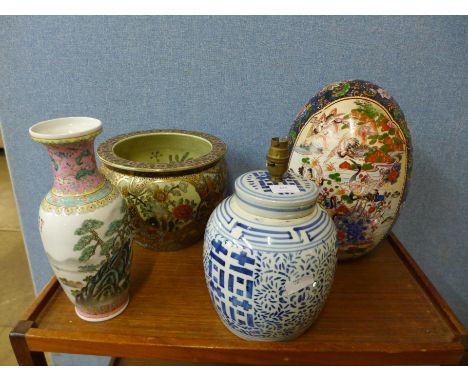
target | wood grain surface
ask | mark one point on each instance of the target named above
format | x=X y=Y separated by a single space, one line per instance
x=381 y=310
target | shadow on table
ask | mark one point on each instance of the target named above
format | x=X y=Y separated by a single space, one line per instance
x=143 y=273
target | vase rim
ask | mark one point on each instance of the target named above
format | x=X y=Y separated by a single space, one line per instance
x=106 y=152
x=65 y=130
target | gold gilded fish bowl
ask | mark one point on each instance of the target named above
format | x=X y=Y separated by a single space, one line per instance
x=171 y=180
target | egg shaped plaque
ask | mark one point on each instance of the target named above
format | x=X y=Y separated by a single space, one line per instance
x=353 y=141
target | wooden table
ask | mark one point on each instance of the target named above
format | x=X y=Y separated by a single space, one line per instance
x=382 y=310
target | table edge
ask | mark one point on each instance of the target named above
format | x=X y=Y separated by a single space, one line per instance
x=322 y=353
x=37 y=338
x=461 y=333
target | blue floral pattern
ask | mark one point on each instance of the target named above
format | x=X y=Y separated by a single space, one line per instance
x=248 y=282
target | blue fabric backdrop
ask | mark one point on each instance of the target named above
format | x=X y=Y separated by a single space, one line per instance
x=244 y=79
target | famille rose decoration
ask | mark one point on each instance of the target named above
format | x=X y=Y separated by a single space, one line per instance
x=171 y=180
x=269 y=256
x=83 y=221
x=353 y=141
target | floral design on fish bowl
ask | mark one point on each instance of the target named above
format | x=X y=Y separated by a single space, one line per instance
x=171 y=180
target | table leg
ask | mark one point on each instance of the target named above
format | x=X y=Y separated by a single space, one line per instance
x=24 y=356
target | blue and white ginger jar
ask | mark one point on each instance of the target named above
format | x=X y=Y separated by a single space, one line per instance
x=269 y=257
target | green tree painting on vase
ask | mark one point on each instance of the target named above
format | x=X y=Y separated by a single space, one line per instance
x=107 y=280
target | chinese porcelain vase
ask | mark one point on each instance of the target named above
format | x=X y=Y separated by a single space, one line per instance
x=171 y=179
x=353 y=141
x=269 y=257
x=83 y=221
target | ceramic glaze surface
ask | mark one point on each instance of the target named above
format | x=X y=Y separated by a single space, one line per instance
x=269 y=277
x=74 y=167
x=170 y=192
x=291 y=198
x=353 y=141
x=85 y=227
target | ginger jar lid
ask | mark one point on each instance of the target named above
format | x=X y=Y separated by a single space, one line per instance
x=293 y=197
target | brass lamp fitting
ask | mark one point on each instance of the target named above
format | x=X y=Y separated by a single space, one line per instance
x=277 y=158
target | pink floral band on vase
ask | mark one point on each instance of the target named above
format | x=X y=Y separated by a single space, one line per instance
x=74 y=166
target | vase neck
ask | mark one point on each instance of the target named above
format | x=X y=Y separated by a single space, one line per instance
x=74 y=167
